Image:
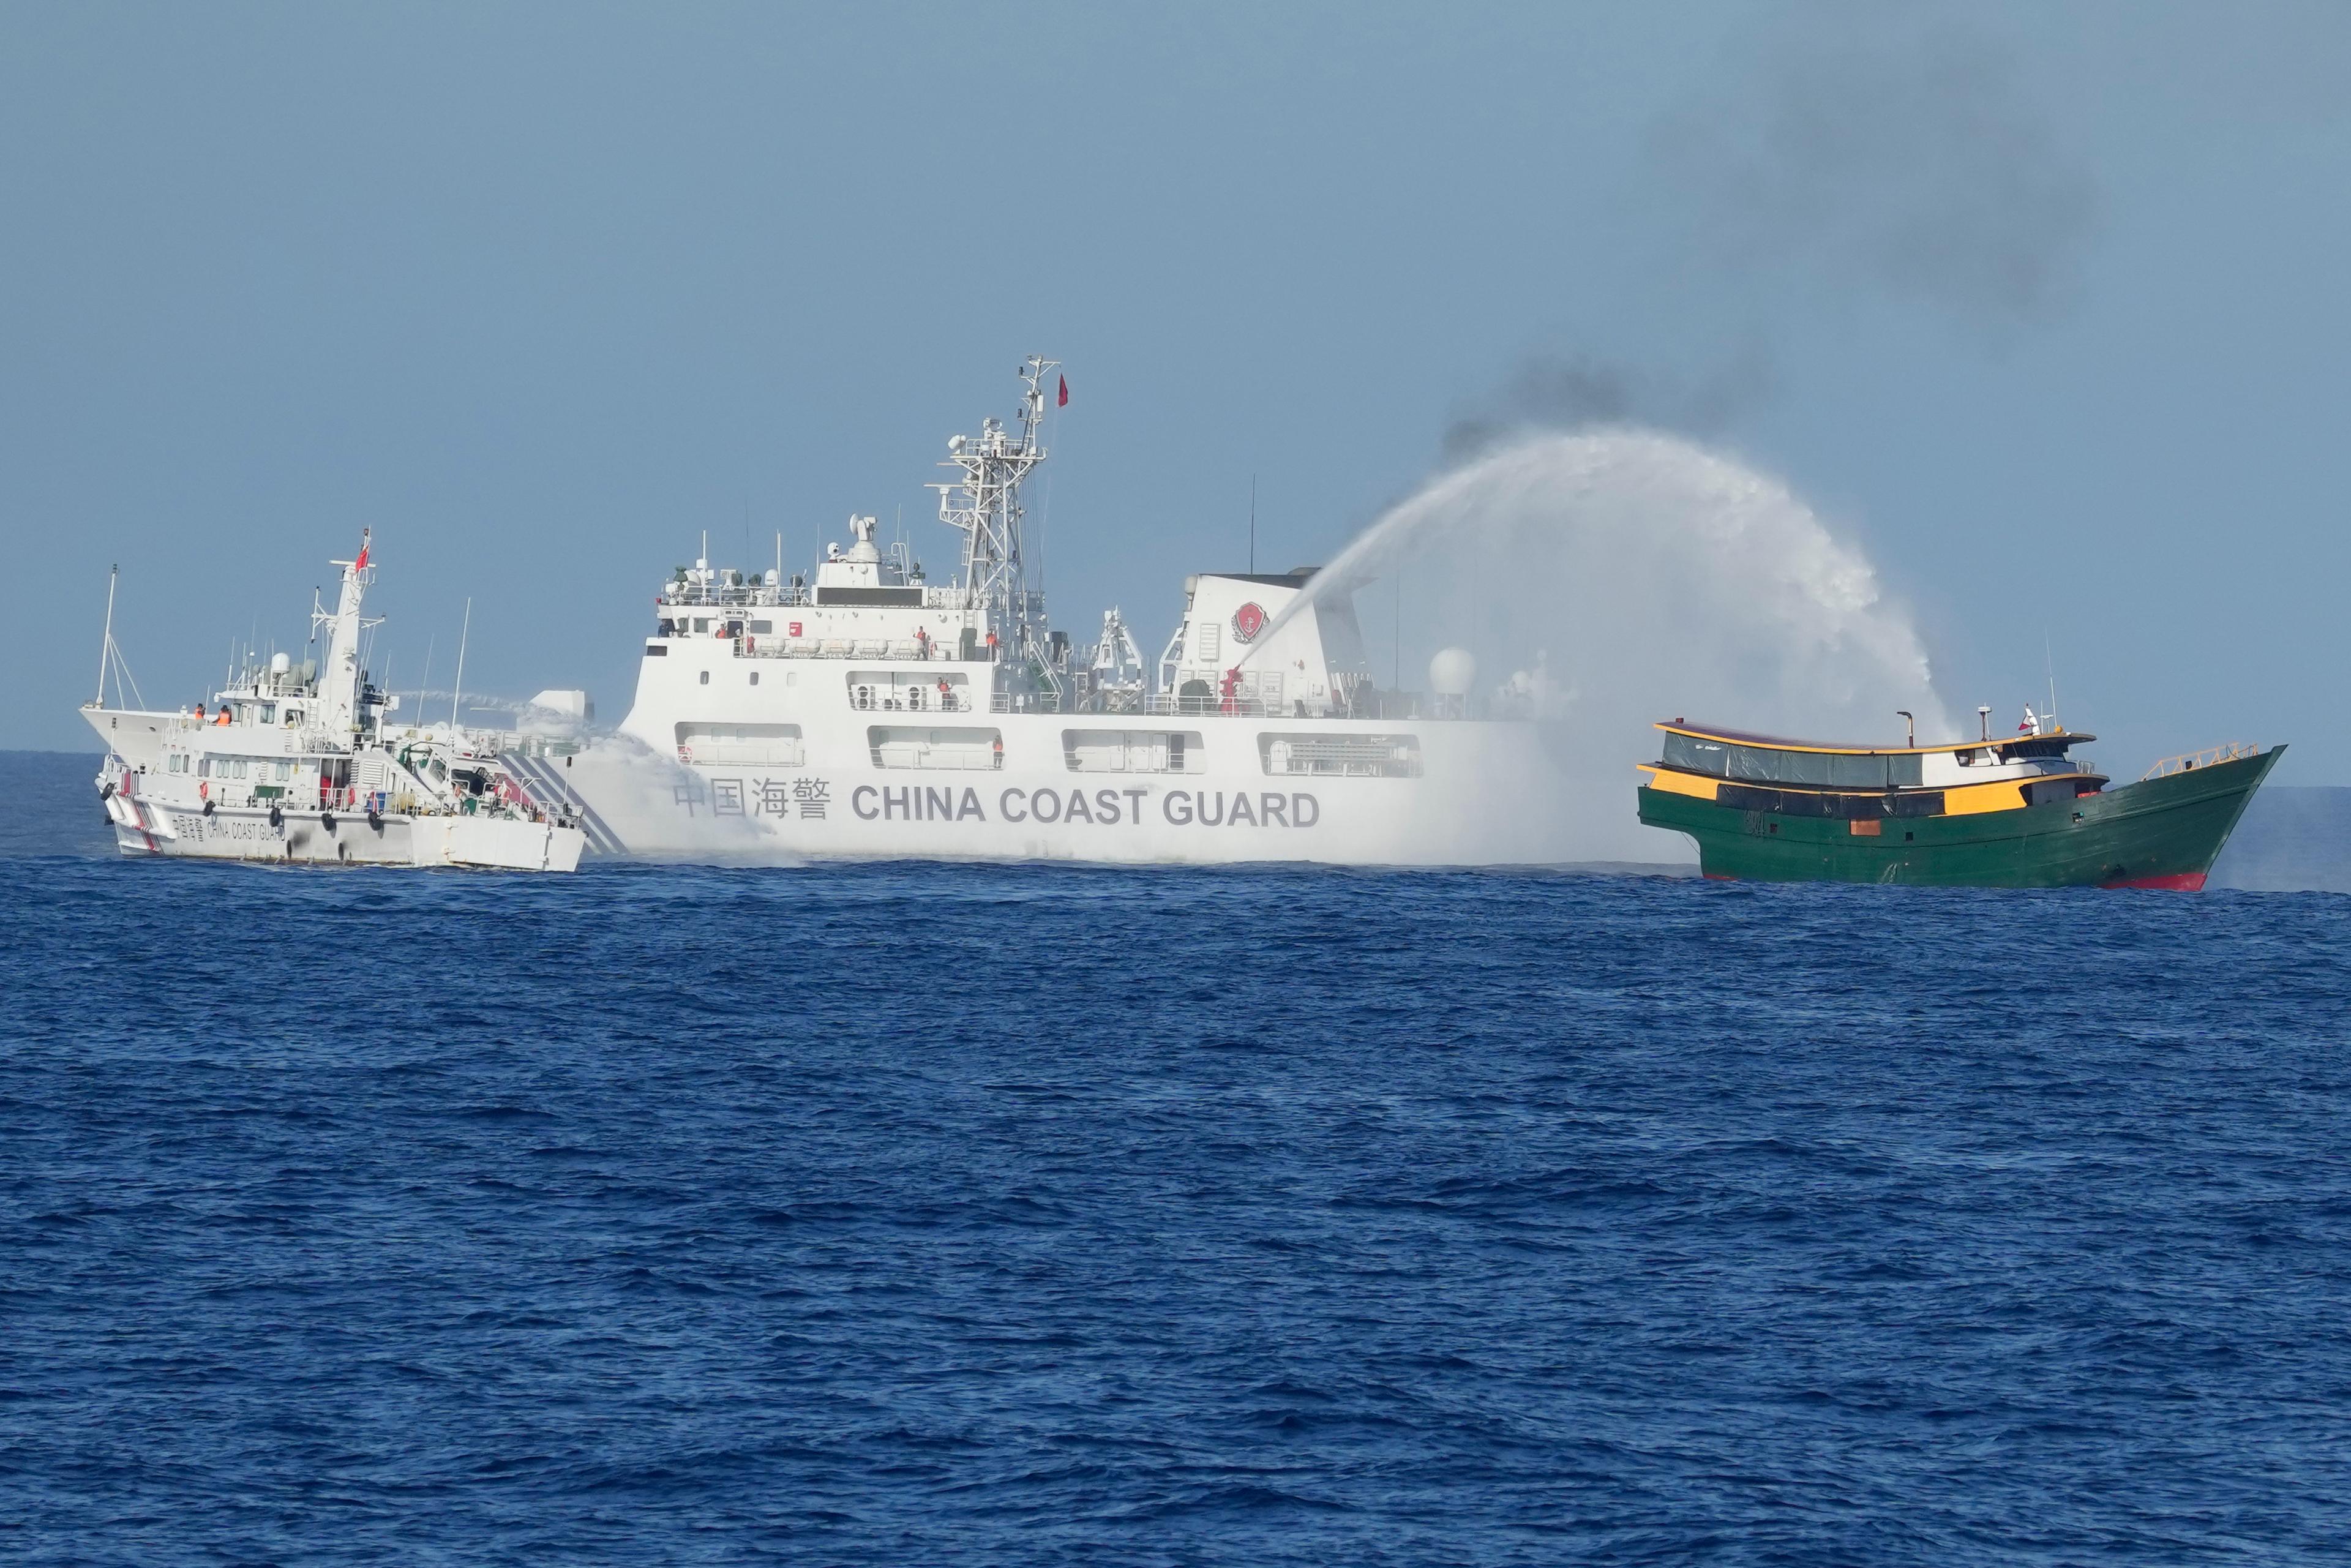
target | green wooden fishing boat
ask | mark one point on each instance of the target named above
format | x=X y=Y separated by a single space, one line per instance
x=2012 y=811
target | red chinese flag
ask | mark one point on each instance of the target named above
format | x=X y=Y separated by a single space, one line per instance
x=360 y=564
x=1064 y=400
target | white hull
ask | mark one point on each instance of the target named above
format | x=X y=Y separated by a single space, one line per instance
x=143 y=826
x=1487 y=794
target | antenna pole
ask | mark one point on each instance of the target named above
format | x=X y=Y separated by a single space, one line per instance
x=105 y=643
x=462 y=635
x=2049 y=660
x=1252 y=525
x=425 y=682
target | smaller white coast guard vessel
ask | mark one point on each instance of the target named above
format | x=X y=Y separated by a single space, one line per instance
x=295 y=763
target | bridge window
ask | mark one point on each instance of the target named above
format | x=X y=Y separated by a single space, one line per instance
x=1770 y=764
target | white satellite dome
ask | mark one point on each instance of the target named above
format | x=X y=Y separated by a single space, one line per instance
x=1453 y=672
x=280 y=663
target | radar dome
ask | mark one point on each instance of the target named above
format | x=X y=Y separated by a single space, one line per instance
x=1453 y=672
x=280 y=663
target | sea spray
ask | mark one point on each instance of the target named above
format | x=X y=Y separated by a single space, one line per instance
x=1608 y=578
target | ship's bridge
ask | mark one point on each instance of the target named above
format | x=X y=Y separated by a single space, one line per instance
x=1241 y=642
x=1744 y=757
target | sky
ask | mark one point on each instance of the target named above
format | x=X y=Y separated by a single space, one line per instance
x=2041 y=305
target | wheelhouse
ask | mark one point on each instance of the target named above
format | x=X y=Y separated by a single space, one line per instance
x=1811 y=779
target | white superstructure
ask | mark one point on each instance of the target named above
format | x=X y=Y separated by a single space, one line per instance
x=301 y=762
x=868 y=711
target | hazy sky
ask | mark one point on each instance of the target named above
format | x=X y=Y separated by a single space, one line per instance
x=2045 y=304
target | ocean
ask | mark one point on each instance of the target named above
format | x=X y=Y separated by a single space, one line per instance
x=1040 y=1214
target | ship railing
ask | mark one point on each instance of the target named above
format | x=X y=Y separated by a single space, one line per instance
x=2211 y=757
x=748 y=596
x=1171 y=705
x=515 y=743
x=1175 y=704
x=759 y=596
x=900 y=651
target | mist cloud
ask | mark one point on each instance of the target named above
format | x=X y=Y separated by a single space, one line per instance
x=1849 y=149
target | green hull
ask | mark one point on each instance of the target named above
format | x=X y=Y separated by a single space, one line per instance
x=2158 y=833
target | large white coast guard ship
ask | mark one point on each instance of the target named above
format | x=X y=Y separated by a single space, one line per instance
x=300 y=763
x=866 y=711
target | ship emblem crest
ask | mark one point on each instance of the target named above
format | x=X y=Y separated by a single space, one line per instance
x=1248 y=620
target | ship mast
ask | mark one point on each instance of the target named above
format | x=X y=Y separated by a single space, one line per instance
x=985 y=504
x=105 y=643
x=340 y=684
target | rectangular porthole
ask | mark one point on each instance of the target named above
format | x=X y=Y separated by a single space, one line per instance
x=1131 y=751
x=910 y=691
x=1341 y=756
x=895 y=746
x=778 y=745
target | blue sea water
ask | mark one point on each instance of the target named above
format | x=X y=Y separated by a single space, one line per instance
x=1009 y=1215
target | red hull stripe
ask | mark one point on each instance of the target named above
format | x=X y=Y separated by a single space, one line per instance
x=2179 y=882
